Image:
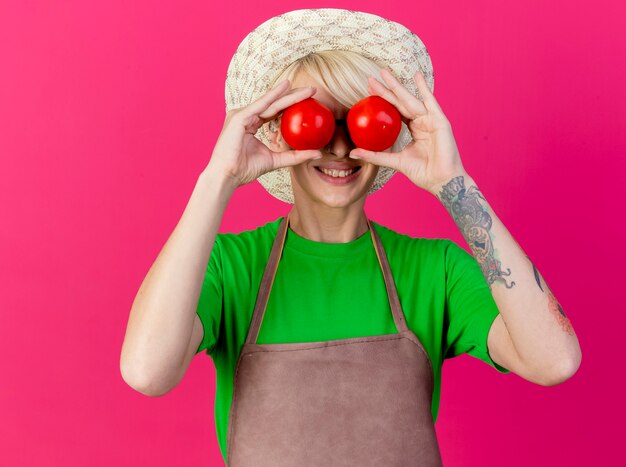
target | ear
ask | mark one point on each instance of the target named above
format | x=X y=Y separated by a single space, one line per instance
x=275 y=136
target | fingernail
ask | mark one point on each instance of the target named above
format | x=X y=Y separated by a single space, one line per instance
x=353 y=157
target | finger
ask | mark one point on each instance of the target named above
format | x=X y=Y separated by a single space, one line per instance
x=382 y=91
x=377 y=88
x=263 y=102
x=296 y=95
x=429 y=99
x=409 y=106
x=381 y=158
x=294 y=157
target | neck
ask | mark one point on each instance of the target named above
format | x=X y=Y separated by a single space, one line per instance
x=328 y=225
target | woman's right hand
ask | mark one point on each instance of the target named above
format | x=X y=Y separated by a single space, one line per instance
x=239 y=155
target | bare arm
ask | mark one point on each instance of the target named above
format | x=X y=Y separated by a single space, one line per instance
x=163 y=330
x=532 y=336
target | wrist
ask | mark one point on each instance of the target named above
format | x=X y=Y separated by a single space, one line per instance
x=452 y=182
x=217 y=180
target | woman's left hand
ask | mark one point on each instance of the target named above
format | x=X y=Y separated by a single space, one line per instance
x=432 y=158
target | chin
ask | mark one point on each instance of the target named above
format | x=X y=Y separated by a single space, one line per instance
x=308 y=184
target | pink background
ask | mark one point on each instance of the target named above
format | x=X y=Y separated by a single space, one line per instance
x=108 y=113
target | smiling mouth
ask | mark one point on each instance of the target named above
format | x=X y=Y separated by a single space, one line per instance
x=339 y=173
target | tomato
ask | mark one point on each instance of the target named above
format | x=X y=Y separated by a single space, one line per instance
x=307 y=124
x=374 y=124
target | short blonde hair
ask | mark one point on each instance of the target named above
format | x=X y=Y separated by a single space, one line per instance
x=342 y=73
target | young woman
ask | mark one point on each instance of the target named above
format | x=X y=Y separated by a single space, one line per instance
x=328 y=330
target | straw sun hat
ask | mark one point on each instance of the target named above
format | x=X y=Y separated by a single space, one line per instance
x=281 y=40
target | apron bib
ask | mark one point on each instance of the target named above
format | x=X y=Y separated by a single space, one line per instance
x=362 y=401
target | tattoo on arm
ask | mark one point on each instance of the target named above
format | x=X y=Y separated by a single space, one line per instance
x=536 y=271
x=475 y=223
x=553 y=304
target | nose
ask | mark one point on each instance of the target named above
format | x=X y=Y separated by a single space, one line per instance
x=340 y=144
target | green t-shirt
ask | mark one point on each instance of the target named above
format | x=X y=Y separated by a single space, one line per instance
x=324 y=291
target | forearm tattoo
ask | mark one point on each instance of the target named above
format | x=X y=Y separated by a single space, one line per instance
x=553 y=305
x=475 y=223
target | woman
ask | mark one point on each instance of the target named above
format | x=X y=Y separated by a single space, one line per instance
x=340 y=364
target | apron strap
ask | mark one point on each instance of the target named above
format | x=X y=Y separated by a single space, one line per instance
x=272 y=266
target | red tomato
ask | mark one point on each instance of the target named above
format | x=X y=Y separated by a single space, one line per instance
x=374 y=124
x=307 y=124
